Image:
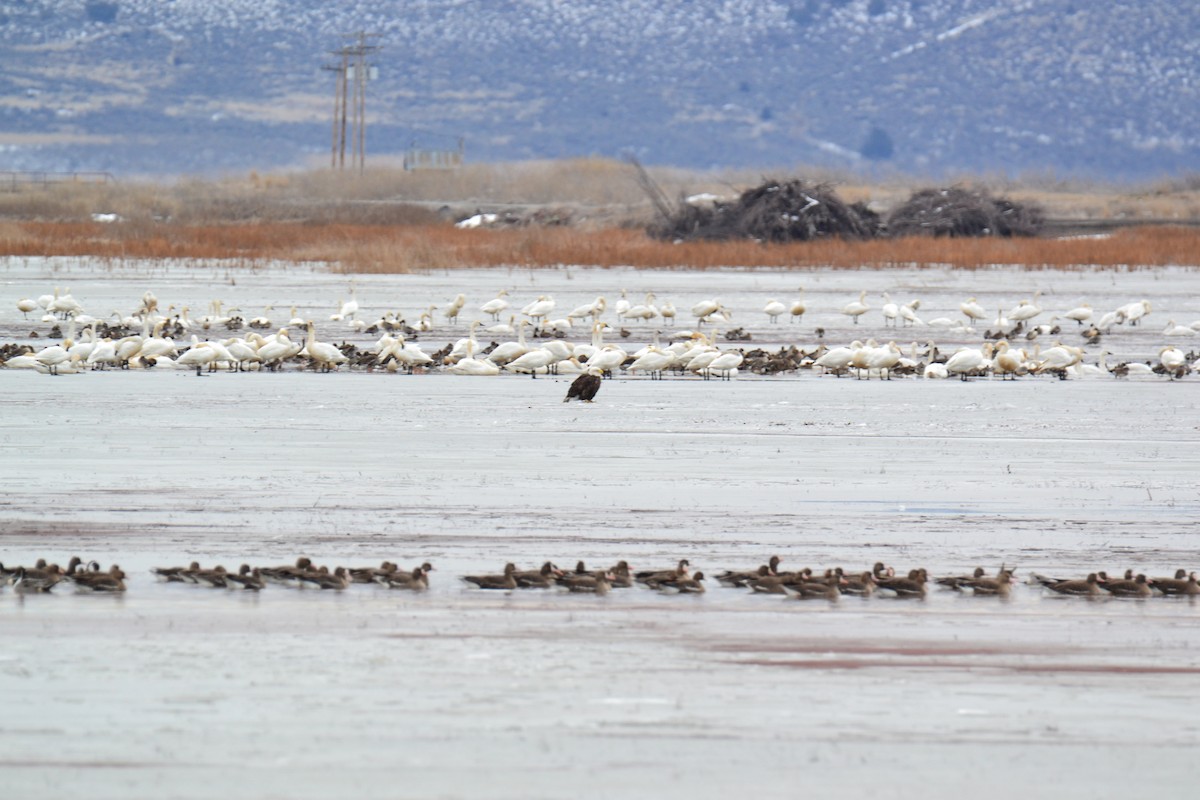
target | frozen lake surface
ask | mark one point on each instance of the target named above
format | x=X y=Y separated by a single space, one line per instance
x=179 y=691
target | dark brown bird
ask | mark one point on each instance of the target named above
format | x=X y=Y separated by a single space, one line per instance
x=1181 y=584
x=1089 y=587
x=27 y=581
x=650 y=577
x=683 y=584
x=957 y=582
x=506 y=581
x=585 y=386
x=911 y=586
x=176 y=574
x=249 y=579
x=542 y=578
x=826 y=589
x=738 y=579
x=111 y=581
x=372 y=574
x=337 y=581
x=416 y=581
x=596 y=583
x=1138 y=587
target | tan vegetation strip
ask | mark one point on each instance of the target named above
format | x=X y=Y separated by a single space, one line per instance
x=410 y=248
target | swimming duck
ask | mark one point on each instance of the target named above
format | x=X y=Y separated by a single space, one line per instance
x=506 y=581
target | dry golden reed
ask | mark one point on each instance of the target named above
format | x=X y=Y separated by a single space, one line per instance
x=409 y=248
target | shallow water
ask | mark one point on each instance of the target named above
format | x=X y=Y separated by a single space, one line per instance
x=457 y=692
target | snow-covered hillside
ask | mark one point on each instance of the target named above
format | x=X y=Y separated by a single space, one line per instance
x=1102 y=88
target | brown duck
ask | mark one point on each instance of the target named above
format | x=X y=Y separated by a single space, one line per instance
x=32 y=581
x=911 y=586
x=417 y=580
x=1089 y=587
x=176 y=574
x=506 y=581
x=1138 y=587
x=862 y=586
x=622 y=578
x=595 y=583
x=1182 y=584
x=111 y=581
x=338 y=580
x=825 y=589
x=652 y=577
x=371 y=574
x=683 y=584
x=739 y=579
x=247 y=578
x=542 y=578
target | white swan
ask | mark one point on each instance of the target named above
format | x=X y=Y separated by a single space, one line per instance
x=1026 y=309
x=908 y=313
x=890 y=311
x=532 y=361
x=53 y=357
x=1135 y=311
x=496 y=306
x=608 y=358
x=972 y=310
x=274 y=351
x=451 y=311
x=508 y=351
x=936 y=371
x=1007 y=363
x=856 y=308
x=837 y=359
x=622 y=305
x=347 y=309
x=593 y=309
x=103 y=354
x=644 y=311
x=774 y=309
x=469 y=365
x=653 y=362
x=1172 y=359
x=27 y=304
x=1177 y=330
x=667 y=312
x=966 y=361
x=540 y=308
x=504 y=327
x=323 y=354
x=725 y=364
x=798 y=307
x=883 y=359
x=1081 y=313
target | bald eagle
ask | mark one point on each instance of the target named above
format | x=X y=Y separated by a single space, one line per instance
x=585 y=386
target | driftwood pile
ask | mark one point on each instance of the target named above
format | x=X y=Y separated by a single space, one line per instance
x=957 y=211
x=776 y=211
x=799 y=211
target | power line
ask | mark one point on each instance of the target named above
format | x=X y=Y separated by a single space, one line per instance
x=350 y=99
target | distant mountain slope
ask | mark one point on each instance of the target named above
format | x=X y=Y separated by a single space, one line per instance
x=1099 y=88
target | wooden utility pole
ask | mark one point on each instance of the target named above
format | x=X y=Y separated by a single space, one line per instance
x=353 y=71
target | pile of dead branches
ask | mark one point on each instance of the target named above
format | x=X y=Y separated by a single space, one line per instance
x=776 y=211
x=957 y=211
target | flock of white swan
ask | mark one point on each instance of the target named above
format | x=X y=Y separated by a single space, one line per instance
x=767 y=579
x=534 y=340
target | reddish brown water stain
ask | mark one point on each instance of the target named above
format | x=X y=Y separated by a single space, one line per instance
x=854 y=663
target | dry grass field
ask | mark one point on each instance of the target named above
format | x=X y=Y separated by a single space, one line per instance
x=390 y=220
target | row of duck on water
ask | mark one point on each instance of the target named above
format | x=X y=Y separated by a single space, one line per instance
x=807 y=583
